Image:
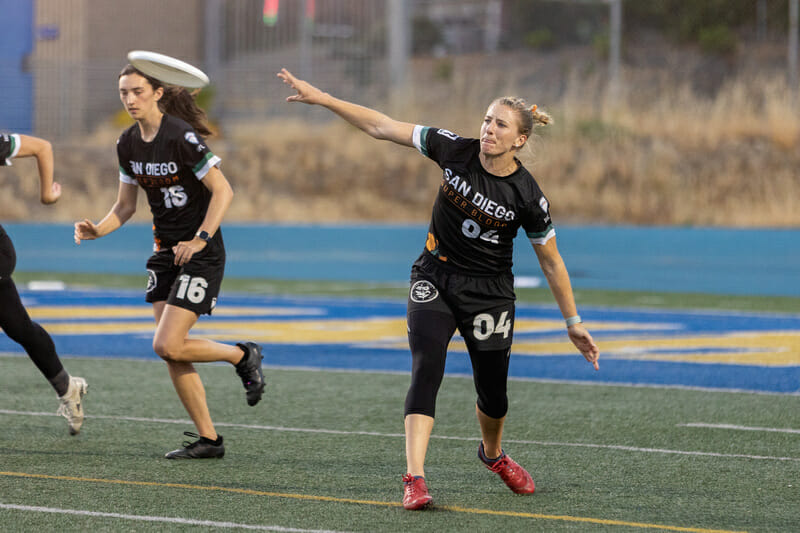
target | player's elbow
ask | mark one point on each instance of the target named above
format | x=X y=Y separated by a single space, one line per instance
x=44 y=147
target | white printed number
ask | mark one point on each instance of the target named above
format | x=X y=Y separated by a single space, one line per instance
x=471 y=229
x=194 y=289
x=485 y=326
x=174 y=196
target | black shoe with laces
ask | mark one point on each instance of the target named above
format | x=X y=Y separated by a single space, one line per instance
x=202 y=448
x=249 y=369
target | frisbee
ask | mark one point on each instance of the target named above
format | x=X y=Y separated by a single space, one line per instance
x=168 y=69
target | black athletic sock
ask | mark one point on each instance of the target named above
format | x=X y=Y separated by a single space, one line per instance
x=482 y=454
x=244 y=357
x=60 y=382
x=214 y=442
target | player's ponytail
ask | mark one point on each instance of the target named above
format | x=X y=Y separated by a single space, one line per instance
x=176 y=101
x=540 y=118
x=528 y=117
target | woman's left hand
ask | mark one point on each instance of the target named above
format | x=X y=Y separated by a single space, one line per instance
x=184 y=250
x=583 y=341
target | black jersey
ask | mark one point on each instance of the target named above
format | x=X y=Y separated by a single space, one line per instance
x=170 y=169
x=9 y=147
x=476 y=215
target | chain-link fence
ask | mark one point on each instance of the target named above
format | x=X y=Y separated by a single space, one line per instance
x=61 y=58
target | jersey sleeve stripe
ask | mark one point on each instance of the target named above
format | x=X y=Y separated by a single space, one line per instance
x=419 y=139
x=124 y=178
x=15 y=143
x=543 y=236
x=201 y=169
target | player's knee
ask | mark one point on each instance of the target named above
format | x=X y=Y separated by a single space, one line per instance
x=167 y=350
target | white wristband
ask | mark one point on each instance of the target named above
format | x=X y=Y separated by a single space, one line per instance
x=571 y=321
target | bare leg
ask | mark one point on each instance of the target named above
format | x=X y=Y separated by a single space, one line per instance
x=173 y=325
x=418 y=433
x=491 y=433
x=171 y=341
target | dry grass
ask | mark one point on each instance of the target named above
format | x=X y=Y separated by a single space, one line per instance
x=662 y=152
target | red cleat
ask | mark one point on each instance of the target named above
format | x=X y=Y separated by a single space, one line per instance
x=514 y=476
x=415 y=493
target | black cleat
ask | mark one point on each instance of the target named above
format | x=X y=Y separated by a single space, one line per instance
x=202 y=448
x=249 y=369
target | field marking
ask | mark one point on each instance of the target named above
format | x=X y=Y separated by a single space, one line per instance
x=739 y=428
x=617 y=447
x=457 y=509
x=164 y=519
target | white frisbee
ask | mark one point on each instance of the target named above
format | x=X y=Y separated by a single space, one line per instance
x=168 y=69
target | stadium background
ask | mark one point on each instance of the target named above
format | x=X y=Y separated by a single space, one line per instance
x=687 y=119
x=672 y=172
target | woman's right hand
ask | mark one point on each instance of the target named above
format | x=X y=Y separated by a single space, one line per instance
x=306 y=93
x=85 y=230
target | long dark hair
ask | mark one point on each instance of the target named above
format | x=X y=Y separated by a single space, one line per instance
x=176 y=101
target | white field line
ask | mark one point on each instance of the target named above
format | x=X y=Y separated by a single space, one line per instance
x=441 y=437
x=163 y=519
x=738 y=428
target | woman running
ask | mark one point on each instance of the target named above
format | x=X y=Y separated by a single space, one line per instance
x=14 y=318
x=165 y=154
x=463 y=278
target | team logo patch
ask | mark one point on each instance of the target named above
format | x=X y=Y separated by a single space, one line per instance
x=191 y=137
x=543 y=204
x=423 y=291
x=152 y=280
x=446 y=133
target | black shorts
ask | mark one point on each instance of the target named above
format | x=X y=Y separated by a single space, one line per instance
x=193 y=286
x=482 y=306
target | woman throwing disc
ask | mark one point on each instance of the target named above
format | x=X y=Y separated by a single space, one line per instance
x=463 y=279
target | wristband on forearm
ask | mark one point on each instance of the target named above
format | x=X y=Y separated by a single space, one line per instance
x=571 y=321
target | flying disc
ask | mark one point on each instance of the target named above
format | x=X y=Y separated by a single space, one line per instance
x=168 y=69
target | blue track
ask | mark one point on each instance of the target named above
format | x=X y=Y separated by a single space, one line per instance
x=692 y=260
x=616 y=368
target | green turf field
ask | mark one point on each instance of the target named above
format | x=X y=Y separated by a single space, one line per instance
x=324 y=449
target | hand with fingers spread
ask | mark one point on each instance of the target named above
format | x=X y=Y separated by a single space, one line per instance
x=306 y=93
x=585 y=344
x=185 y=250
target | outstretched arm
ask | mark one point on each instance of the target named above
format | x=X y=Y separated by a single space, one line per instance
x=123 y=209
x=373 y=123
x=558 y=278
x=49 y=190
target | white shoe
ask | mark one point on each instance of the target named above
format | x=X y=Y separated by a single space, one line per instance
x=71 y=406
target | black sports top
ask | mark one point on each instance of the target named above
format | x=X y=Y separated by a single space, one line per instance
x=170 y=169
x=476 y=214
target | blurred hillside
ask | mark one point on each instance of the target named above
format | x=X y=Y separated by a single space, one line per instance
x=702 y=131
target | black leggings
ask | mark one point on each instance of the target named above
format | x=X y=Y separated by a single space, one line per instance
x=14 y=319
x=429 y=333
